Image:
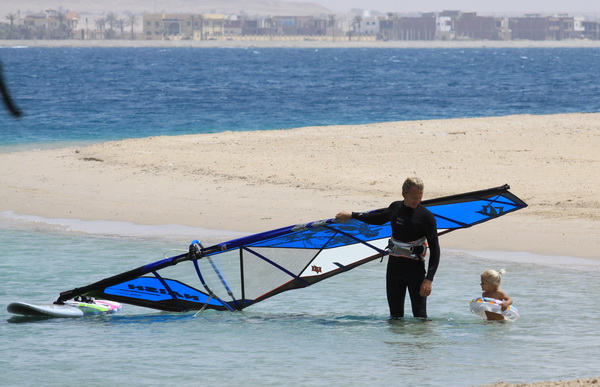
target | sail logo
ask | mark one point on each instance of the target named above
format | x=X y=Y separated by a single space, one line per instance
x=316 y=269
x=491 y=211
x=147 y=289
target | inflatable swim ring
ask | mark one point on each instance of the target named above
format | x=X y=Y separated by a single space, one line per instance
x=483 y=306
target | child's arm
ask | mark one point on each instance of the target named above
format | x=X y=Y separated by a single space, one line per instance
x=504 y=297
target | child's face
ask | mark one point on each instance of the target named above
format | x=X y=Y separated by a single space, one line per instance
x=487 y=286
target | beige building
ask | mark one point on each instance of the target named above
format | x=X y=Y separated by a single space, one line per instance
x=52 y=24
x=180 y=26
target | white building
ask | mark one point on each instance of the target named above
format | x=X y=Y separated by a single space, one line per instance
x=444 y=29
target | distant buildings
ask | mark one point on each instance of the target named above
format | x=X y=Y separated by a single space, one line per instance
x=408 y=28
x=456 y=25
x=218 y=27
x=183 y=26
x=558 y=27
x=49 y=24
x=446 y=25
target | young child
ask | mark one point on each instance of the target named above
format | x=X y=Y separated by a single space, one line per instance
x=490 y=284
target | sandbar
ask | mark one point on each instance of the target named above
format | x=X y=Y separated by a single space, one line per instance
x=259 y=180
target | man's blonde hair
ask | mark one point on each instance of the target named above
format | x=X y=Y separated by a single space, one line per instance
x=411 y=182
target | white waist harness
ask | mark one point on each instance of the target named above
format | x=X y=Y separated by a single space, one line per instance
x=413 y=250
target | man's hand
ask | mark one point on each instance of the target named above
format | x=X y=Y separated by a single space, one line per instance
x=344 y=216
x=425 y=288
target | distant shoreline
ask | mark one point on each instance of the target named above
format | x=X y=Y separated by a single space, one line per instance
x=304 y=43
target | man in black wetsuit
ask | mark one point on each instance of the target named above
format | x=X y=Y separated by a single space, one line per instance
x=413 y=230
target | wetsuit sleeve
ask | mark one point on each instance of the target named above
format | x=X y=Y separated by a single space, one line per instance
x=377 y=217
x=434 y=248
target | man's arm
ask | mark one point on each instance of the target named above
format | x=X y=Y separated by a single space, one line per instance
x=434 y=257
x=378 y=217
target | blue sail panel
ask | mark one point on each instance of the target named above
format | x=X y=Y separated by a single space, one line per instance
x=151 y=290
x=468 y=213
x=329 y=235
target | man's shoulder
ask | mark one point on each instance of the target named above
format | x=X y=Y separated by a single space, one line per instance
x=421 y=207
x=395 y=206
x=424 y=210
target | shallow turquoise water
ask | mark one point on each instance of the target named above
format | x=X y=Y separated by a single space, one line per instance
x=334 y=333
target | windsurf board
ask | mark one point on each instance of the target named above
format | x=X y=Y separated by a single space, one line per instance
x=67 y=309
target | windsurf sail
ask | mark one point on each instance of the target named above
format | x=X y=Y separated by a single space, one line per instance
x=236 y=274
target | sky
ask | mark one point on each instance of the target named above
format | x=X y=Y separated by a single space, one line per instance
x=481 y=6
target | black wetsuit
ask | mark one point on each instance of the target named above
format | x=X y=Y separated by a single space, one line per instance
x=408 y=225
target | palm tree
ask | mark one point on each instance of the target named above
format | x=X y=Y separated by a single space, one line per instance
x=11 y=31
x=356 y=22
x=332 y=23
x=111 y=19
x=121 y=25
x=100 y=24
x=62 y=29
x=131 y=22
x=11 y=17
x=201 y=21
x=270 y=22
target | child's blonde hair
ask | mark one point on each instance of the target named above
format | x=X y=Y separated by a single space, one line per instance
x=493 y=277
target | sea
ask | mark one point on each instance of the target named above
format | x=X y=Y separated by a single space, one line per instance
x=337 y=332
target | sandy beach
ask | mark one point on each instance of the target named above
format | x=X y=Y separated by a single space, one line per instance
x=256 y=181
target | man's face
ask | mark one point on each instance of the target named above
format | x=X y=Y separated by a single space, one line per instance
x=413 y=197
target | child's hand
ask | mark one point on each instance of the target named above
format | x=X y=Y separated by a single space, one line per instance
x=504 y=306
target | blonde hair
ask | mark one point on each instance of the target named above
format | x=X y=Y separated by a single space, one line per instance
x=411 y=182
x=493 y=277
